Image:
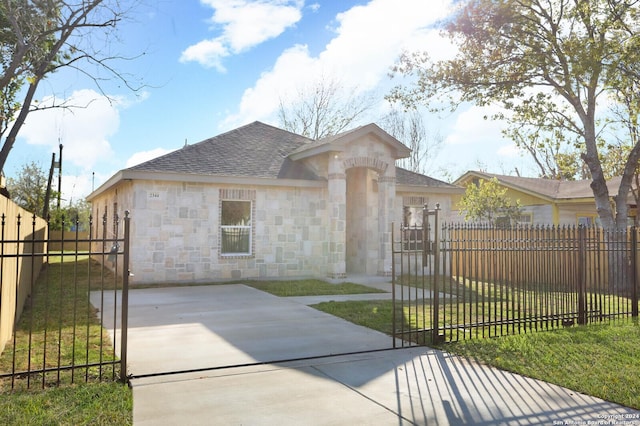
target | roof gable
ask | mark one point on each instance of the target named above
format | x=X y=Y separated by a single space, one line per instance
x=338 y=142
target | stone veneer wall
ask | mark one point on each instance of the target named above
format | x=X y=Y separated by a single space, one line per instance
x=175 y=227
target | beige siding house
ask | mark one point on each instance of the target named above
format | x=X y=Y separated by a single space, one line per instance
x=547 y=201
x=259 y=202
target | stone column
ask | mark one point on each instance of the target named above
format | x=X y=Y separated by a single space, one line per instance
x=337 y=208
x=386 y=204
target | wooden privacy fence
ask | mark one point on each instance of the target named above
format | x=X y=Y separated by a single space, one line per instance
x=526 y=256
x=69 y=241
x=21 y=233
x=461 y=281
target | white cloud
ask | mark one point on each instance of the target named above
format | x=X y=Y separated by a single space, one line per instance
x=368 y=40
x=471 y=127
x=245 y=24
x=75 y=188
x=141 y=157
x=207 y=52
x=292 y=70
x=509 y=151
x=84 y=129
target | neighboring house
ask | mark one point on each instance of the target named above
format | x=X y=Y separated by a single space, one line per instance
x=259 y=201
x=547 y=201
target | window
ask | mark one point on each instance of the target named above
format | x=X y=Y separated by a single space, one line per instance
x=588 y=220
x=235 y=227
x=523 y=219
x=413 y=216
x=413 y=221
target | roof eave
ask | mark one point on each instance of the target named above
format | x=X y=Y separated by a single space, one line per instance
x=112 y=181
x=429 y=189
x=527 y=191
x=316 y=150
x=126 y=175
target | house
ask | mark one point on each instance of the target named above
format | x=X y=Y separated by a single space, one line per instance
x=547 y=201
x=259 y=201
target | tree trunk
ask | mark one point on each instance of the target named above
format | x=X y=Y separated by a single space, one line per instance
x=20 y=119
x=614 y=224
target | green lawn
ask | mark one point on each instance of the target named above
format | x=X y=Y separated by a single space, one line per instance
x=469 y=304
x=309 y=287
x=602 y=359
x=59 y=311
x=107 y=403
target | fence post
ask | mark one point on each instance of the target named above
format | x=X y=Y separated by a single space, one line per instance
x=634 y=272
x=582 y=256
x=393 y=284
x=124 y=322
x=435 y=301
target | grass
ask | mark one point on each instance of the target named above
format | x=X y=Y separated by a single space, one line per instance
x=375 y=314
x=598 y=359
x=81 y=404
x=60 y=328
x=309 y=287
x=468 y=304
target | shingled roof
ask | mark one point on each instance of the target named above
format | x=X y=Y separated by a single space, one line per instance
x=550 y=188
x=254 y=150
x=406 y=177
x=261 y=151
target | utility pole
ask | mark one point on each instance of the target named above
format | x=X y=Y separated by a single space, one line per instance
x=60 y=177
x=47 y=196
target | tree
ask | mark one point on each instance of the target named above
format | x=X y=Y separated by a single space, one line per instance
x=325 y=108
x=487 y=201
x=28 y=189
x=409 y=128
x=557 y=60
x=555 y=157
x=71 y=218
x=40 y=37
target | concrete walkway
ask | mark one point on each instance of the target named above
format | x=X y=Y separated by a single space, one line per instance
x=183 y=340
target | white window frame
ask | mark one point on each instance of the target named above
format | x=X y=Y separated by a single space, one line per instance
x=590 y=219
x=249 y=229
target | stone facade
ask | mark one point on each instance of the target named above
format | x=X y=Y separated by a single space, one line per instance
x=334 y=225
x=175 y=233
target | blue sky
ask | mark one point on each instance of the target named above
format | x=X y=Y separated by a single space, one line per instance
x=213 y=65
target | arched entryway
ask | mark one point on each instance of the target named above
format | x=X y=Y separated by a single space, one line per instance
x=362 y=242
x=370 y=191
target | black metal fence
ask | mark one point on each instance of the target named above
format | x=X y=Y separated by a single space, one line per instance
x=461 y=281
x=57 y=336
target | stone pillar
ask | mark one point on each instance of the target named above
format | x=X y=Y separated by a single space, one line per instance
x=337 y=209
x=386 y=204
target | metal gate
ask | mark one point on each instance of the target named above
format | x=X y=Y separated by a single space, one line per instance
x=47 y=280
x=417 y=262
x=461 y=281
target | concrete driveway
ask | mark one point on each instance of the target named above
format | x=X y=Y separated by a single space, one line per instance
x=225 y=341
x=189 y=328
